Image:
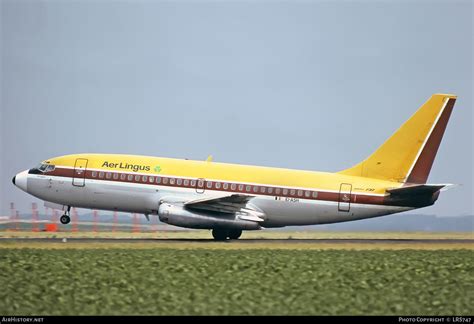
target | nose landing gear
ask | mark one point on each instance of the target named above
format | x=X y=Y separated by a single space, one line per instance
x=65 y=219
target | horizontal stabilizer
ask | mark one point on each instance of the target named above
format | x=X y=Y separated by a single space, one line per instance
x=416 y=189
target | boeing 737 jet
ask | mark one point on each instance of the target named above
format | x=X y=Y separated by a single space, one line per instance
x=230 y=198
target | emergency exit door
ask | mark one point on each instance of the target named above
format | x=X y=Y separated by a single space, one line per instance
x=345 y=192
x=79 y=176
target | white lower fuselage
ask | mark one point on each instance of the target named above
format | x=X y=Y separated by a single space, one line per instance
x=145 y=199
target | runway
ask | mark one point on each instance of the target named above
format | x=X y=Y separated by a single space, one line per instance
x=241 y=241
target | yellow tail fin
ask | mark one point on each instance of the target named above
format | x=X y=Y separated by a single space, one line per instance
x=407 y=156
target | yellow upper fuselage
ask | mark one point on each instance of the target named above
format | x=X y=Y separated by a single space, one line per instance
x=226 y=172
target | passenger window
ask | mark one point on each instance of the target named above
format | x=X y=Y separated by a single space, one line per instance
x=165 y=180
x=186 y=182
x=315 y=194
x=179 y=182
x=144 y=178
x=255 y=189
x=233 y=186
x=300 y=193
x=225 y=186
x=108 y=175
x=270 y=190
x=292 y=192
x=172 y=181
x=158 y=180
x=285 y=191
x=218 y=185
x=115 y=176
x=94 y=174
x=123 y=176
x=209 y=184
x=193 y=183
x=241 y=187
x=262 y=189
x=130 y=177
x=151 y=179
x=307 y=193
x=101 y=174
x=277 y=191
x=137 y=178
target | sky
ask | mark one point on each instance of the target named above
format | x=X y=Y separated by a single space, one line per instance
x=314 y=85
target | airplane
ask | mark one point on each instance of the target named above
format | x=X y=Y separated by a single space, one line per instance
x=230 y=198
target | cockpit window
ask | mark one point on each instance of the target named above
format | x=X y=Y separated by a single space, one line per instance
x=45 y=167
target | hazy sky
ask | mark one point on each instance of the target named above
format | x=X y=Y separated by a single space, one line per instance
x=314 y=85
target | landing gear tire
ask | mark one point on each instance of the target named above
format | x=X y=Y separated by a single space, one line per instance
x=65 y=219
x=235 y=234
x=220 y=235
x=224 y=234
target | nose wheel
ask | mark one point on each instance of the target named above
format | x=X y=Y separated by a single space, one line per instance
x=65 y=219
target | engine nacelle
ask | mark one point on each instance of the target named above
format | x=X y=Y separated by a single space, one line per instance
x=180 y=216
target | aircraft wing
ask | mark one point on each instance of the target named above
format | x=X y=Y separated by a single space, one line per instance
x=231 y=204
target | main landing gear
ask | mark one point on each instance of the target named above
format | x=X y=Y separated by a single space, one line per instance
x=226 y=234
x=65 y=219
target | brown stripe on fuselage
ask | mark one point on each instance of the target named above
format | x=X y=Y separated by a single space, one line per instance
x=368 y=200
x=60 y=172
x=170 y=181
x=422 y=167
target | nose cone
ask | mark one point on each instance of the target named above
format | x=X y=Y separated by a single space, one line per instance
x=20 y=180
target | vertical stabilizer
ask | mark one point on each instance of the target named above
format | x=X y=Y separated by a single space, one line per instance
x=408 y=155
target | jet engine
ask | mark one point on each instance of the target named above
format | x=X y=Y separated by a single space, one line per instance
x=178 y=215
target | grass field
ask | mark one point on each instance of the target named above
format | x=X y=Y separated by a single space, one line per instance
x=265 y=234
x=201 y=239
x=121 y=281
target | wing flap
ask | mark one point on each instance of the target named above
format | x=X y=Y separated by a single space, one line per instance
x=231 y=204
x=232 y=200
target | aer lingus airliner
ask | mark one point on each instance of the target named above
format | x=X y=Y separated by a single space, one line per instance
x=229 y=198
